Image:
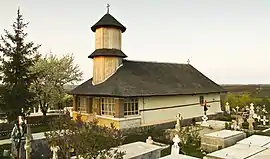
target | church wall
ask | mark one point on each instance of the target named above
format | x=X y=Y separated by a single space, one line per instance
x=109 y=38
x=187 y=105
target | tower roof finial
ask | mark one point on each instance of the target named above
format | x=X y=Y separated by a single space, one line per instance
x=108 y=8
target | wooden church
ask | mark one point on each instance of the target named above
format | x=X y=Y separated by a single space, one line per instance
x=138 y=93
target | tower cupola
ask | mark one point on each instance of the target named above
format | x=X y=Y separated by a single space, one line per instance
x=108 y=56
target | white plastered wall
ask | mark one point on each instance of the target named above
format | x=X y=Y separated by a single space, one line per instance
x=194 y=109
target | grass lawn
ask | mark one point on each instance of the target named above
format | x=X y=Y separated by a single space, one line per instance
x=40 y=128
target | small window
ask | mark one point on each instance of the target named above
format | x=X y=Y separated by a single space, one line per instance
x=131 y=107
x=81 y=106
x=201 y=100
x=108 y=106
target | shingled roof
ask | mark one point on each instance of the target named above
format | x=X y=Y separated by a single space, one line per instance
x=108 y=52
x=138 y=78
x=108 y=21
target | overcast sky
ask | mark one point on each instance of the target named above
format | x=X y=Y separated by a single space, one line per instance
x=227 y=40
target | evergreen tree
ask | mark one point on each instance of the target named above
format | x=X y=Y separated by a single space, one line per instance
x=17 y=57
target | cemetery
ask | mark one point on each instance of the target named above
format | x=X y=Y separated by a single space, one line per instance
x=242 y=137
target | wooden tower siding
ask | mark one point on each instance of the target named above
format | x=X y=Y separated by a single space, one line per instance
x=105 y=66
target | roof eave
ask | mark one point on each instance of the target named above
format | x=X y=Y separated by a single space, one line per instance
x=145 y=95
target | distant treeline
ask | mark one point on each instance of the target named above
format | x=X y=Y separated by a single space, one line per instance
x=255 y=90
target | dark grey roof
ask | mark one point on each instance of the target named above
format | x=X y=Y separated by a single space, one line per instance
x=107 y=52
x=108 y=21
x=137 y=78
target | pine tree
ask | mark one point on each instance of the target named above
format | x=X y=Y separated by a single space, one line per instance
x=17 y=57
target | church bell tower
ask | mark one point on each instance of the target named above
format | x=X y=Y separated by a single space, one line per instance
x=108 y=56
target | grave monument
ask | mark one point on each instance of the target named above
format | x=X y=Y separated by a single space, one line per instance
x=220 y=139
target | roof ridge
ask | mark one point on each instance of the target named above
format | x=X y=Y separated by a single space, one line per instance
x=158 y=62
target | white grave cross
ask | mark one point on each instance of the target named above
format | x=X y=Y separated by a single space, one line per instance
x=258 y=118
x=237 y=109
x=251 y=110
x=204 y=118
x=149 y=140
x=54 y=149
x=264 y=120
x=175 y=146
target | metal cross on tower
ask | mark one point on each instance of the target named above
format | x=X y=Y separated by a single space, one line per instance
x=108 y=8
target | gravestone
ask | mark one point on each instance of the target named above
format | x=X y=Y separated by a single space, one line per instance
x=220 y=139
x=204 y=118
x=227 y=108
x=264 y=120
x=258 y=118
x=54 y=150
x=149 y=140
x=250 y=121
x=264 y=110
x=234 y=125
x=240 y=121
x=258 y=109
x=237 y=109
x=251 y=109
x=237 y=151
x=39 y=109
x=175 y=147
x=178 y=122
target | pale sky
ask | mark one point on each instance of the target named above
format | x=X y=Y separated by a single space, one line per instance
x=227 y=40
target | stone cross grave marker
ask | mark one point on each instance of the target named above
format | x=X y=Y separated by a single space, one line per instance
x=258 y=109
x=250 y=121
x=54 y=149
x=240 y=121
x=204 y=118
x=234 y=125
x=35 y=110
x=175 y=147
x=149 y=140
x=205 y=107
x=178 y=122
x=237 y=108
x=247 y=108
x=251 y=109
x=227 y=108
x=264 y=120
x=258 y=118
x=39 y=109
x=264 y=110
